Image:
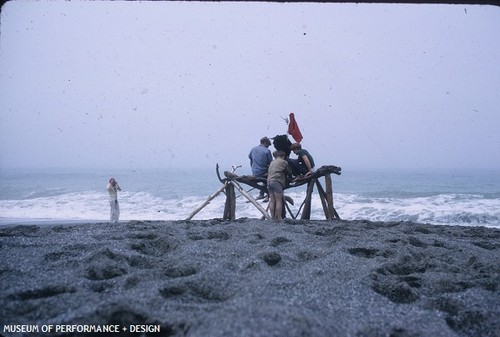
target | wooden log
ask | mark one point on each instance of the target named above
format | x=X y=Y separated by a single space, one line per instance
x=336 y=214
x=322 y=171
x=210 y=198
x=322 y=197
x=327 y=169
x=300 y=209
x=253 y=181
x=306 y=213
x=230 y=205
x=329 y=197
x=252 y=200
x=289 y=210
x=233 y=205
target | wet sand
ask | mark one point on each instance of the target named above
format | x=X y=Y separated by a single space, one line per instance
x=253 y=278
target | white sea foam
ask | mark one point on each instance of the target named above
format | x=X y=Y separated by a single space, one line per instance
x=440 y=209
x=445 y=198
x=454 y=209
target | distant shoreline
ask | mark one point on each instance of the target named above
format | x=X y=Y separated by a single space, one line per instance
x=8 y=222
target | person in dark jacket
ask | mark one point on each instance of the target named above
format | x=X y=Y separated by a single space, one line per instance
x=304 y=164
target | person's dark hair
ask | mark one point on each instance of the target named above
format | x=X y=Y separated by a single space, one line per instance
x=296 y=146
x=282 y=143
x=279 y=154
x=265 y=141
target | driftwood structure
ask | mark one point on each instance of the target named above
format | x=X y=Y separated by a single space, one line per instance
x=232 y=183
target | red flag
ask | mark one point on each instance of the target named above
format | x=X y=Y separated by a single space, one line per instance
x=293 y=129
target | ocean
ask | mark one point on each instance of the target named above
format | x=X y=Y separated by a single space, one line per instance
x=439 y=197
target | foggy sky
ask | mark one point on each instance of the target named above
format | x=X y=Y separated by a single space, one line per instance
x=181 y=84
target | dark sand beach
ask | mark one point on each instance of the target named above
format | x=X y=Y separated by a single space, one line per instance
x=253 y=278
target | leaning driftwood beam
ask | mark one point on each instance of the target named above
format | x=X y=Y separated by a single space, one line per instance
x=210 y=198
x=230 y=207
x=306 y=212
x=252 y=181
x=323 y=171
x=323 y=197
x=261 y=183
x=252 y=200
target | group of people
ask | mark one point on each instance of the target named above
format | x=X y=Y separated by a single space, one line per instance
x=279 y=170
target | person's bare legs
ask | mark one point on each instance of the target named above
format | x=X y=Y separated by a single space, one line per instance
x=272 y=204
x=278 y=209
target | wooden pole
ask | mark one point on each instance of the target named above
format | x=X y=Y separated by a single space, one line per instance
x=289 y=210
x=252 y=200
x=306 y=213
x=329 y=196
x=210 y=198
x=230 y=206
x=322 y=197
x=233 y=204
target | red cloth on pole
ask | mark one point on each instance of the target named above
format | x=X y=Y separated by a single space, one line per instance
x=293 y=129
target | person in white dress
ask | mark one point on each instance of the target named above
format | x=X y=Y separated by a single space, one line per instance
x=113 y=189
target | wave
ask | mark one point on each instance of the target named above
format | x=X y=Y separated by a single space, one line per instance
x=449 y=209
x=443 y=209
